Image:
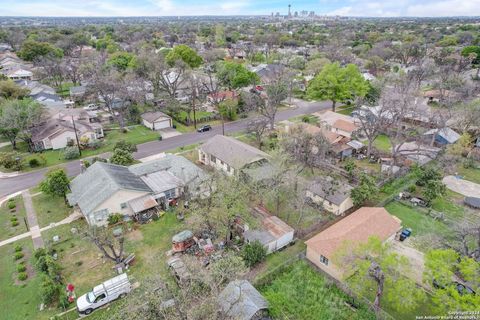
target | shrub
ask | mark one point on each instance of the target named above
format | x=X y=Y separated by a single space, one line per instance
x=253 y=253
x=469 y=163
x=95 y=144
x=33 y=163
x=11 y=205
x=18 y=248
x=114 y=218
x=49 y=290
x=125 y=145
x=78 y=263
x=122 y=157
x=15 y=223
x=13 y=219
x=71 y=153
x=412 y=188
x=22 y=276
x=63 y=302
x=18 y=255
x=21 y=268
x=11 y=160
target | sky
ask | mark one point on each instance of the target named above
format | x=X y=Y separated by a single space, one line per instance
x=370 y=8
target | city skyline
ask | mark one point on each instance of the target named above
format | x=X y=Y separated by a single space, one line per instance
x=124 y=8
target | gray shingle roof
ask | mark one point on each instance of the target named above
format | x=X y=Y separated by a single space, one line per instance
x=328 y=190
x=153 y=116
x=240 y=300
x=178 y=166
x=233 y=152
x=99 y=182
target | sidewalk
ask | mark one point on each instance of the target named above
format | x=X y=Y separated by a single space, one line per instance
x=32 y=220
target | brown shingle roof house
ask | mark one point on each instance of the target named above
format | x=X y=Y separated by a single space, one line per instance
x=356 y=228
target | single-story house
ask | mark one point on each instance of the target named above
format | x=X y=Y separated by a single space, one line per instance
x=172 y=176
x=58 y=133
x=221 y=96
x=105 y=189
x=77 y=92
x=19 y=73
x=418 y=153
x=354 y=229
x=241 y=301
x=337 y=123
x=333 y=197
x=156 y=120
x=443 y=136
x=273 y=234
x=230 y=155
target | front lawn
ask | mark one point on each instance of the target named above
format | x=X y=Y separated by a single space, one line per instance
x=300 y=292
x=8 y=228
x=135 y=134
x=19 y=300
x=49 y=209
x=470 y=174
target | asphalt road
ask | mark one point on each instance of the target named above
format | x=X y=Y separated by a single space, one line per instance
x=30 y=179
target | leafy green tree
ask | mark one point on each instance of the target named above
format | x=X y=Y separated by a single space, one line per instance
x=474 y=53
x=424 y=175
x=228 y=109
x=125 y=145
x=379 y=274
x=365 y=191
x=122 y=157
x=253 y=253
x=338 y=84
x=442 y=267
x=185 y=54
x=234 y=75
x=32 y=50
x=11 y=90
x=17 y=117
x=56 y=183
x=350 y=167
x=433 y=189
x=122 y=61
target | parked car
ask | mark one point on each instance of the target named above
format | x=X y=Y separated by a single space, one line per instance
x=405 y=234
x=91 y=107
x=104 y=293
x=204 y=128
x=418 y=202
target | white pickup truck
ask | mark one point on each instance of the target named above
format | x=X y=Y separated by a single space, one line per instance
x=104 y=293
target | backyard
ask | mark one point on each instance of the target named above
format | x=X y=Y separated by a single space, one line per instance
x=382 y=143
x=300 y=292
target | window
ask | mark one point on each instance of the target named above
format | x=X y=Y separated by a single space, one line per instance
x=100 y=297
x=123 y=205
x=324 y=260
x=170 y=194
x=213 y=159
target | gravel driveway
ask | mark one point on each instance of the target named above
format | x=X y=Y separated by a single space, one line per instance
x=464 y=187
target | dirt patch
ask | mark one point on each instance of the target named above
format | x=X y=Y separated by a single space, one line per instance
x=135 y=235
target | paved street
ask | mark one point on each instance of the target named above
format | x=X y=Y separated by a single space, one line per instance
x=28 y=180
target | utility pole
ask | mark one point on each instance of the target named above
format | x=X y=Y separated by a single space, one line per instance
x=76 y=137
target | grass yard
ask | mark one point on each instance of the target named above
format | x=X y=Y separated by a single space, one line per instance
x=136 y=134
x=300 y=292
x=382 y=143
x=49 y=209
x=470 y=174
x=7 y=230
x=277 y=259
x=19 y=300
x=421 y=224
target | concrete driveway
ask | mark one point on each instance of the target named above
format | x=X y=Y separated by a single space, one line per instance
x=169 y=133
x=464 y=187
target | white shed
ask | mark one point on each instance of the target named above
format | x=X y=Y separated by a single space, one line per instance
x=274 y=234
x=156 y=120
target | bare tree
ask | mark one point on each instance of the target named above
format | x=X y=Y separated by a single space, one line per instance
x=277 y=91
x=111 y=246
x=258 y=128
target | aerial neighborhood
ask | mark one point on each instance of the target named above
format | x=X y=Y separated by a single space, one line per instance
x=237 y=165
